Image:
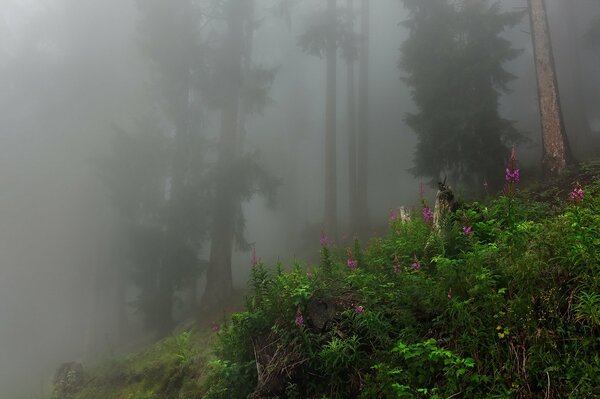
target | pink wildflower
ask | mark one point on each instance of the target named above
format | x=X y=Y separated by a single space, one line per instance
x=359 y=309
x=467 y=230
x=512 y=175
x=397 y=268
x=393 y=215
x=352 y=264
x=416 y=264
x=577 y=193
x=427 y=215
x=324 y=240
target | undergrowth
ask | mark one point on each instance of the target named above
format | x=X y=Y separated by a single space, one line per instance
x=503 y=301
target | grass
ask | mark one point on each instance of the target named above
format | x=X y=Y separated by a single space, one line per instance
x=502 y=302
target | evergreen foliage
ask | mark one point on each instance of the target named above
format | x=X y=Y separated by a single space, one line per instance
x=453 y=60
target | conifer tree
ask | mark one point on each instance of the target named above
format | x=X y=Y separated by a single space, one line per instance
x=453 y=60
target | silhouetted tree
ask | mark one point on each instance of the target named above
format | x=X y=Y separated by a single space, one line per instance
x=362 y=166
x=351 y=119
x=236 y=87
x=454 y=60
x=167 y=240
x=322 y=39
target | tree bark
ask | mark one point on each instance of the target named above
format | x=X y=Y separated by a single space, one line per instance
x=219 y=278
x=363 y=119
x=351 y=122
x=330 y=123
x=556 y=153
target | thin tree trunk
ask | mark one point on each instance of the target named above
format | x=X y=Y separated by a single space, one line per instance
x=363 y=119
x=219 y=278
x=556 y=153
x=330 y=123
x=351 y=121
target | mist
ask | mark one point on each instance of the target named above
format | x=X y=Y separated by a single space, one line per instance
x=93 y=170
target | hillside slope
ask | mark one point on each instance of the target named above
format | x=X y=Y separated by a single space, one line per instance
x=502 y=302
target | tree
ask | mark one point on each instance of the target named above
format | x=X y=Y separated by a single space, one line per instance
x=321 y=40
x=454 y=60
x=168 y=237
x=363 y=120
x=236 y=88
x=351 y=57
x=556 y=152
x=356 y=47
x=330 y=120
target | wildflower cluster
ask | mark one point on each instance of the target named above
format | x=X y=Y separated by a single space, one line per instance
x=426 y=212
x=512 y=175
x=351 y=262
x=577 y=194
x=416 y=265
x=324 y=240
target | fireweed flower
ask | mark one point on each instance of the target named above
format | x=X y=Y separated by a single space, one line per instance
x=352 y=264
x=427 y=215
x=397 y=268
x=512 y=175
x=359 y=309
x=324 y=240
x=467 y=230
x=299 y=319
x=577 y=194
x=416 y=264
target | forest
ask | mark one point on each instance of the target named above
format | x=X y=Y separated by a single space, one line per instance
x=299 y=199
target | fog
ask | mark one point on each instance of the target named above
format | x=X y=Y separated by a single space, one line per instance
x=78 y=74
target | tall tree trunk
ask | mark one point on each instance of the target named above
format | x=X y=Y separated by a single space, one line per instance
x=219 y=278
x=556 y=153
x=351 y=122
x=330 y=123
x=363 y=119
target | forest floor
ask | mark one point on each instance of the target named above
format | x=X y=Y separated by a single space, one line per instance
x=502 y=302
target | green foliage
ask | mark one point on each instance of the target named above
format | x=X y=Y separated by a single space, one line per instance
x=422 y=370
x=511 y=306
x=508 y=311
x=454 y=60
x=173 y=368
